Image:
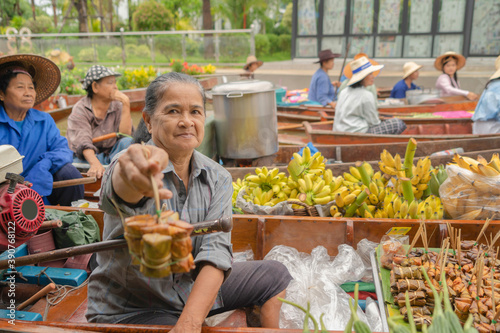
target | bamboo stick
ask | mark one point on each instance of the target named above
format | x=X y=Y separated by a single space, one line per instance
x=486 y=223
x=50 y=224
x=417 y=236
x=73 y=182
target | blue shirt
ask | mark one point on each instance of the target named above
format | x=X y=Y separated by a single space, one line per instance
x=400 y=88
x=488 y=107
x=45 y=151
x=321 y=88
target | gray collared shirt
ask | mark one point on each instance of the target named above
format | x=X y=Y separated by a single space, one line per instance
x=117 y=289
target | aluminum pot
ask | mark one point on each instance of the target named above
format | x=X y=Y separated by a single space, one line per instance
x=246 y=122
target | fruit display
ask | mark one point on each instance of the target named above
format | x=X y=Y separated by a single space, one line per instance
x=472 y=190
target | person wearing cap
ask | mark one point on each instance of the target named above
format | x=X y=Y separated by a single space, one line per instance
x=449 y=63
x=347 y=74
x=251 y=66
x=27 y=80
x=104 y=110
x=356 y=109
x=321 y=88
x=487 y=115
x=410 y=74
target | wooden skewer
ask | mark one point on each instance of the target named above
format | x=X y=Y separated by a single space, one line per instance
x=493 y=292
x=417 y=236
x=479 y=281
x=459 y=248
x=153 y=185
x=47 y=289
x=486 y=223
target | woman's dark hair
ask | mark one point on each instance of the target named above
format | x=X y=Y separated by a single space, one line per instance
x=162 y=83
x=447 y=60
x=5 y=81
x=89 y=90
x=357 y=84
x=141 y=134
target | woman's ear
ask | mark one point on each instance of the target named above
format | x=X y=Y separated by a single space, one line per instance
x=95 y=87
x=147 y=121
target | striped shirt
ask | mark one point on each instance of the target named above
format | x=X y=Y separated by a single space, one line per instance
x=117 y=289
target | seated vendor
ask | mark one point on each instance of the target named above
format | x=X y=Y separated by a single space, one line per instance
x=487 y=115
x=251 y=66
x=105 y=110
x=410 y=74
x=356 y=110
x=447 y=83
x=199 y=189
x=347 y=75
x=321 y=89
x=27 y=80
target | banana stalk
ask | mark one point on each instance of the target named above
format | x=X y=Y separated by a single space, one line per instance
x=365 y=178
x=409 y=155
x=357 y=203
x=407 y=189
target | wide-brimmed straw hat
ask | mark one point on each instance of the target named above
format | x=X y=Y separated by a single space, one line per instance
x=43 y=71
x=325 y=55
x=460 y=59
x=251 y=60
x=496 y=75
x=347 y=69
x=96 y=73
x=361 y=68
x=409 y=68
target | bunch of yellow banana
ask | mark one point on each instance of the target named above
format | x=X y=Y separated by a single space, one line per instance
x=267 y=179
x=306 y=164
x=260 y=197
x=399 y=208
x=480 y=166
x=354 y=176
x=315 y=190
x=390 y=165
x=238 y=185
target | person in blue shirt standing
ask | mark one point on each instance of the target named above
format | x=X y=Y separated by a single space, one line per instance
x=487 y=115
x=27 y=80
x=321 y=88
x=410 y=74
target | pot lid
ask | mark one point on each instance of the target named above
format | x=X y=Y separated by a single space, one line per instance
x=243 y=86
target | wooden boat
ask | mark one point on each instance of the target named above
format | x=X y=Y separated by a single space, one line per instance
x=261 y=234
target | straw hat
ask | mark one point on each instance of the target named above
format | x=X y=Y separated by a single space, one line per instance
x=409 y=68
x=44 y=72
x=325 y=55
x=497 y=67
x=250 y=60
x=361 y=68
x=458 y=57
x=347 y=69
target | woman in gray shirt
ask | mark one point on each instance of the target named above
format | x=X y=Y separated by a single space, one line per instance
x=198 y=189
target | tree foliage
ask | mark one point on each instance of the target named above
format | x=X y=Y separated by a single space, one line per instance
x=42 y=24
x=287 y=17
x=241 y=13
x=152 y=16
x=183 y=9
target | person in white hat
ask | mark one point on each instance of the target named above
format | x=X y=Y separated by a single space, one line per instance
x=487 y=115
x=410 y=74
x=449 y=63
x=356 y=109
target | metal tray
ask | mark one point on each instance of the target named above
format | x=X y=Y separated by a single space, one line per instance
x=378 y=291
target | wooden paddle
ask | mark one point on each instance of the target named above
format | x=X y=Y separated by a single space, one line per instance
x=73 y=182
x=289 y=127
x=47 y=289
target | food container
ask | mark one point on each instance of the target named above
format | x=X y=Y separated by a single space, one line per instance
x=246 y=123
x=11 y=161
x=423 y=96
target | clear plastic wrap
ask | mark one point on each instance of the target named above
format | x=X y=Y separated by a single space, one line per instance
x=364 y=249
x=373 y=315
x=243 y=256
x=467 y=195
x=315 y=279
x=391 y=245
x=282 y=208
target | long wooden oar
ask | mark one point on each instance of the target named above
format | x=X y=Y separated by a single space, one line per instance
x=108 y=136
x=73 y=182
x=288 y=127
x=224 y=224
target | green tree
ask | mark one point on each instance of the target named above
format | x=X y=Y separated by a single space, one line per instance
x=287 y=17
x=151 y=15
x=11 y=8
x=42 y=24
x=183 y=9
x=241 y=13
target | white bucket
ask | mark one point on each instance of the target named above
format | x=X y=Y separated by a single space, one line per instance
x=10 y=161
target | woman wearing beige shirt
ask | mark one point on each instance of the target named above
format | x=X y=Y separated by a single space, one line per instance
x=104 y=110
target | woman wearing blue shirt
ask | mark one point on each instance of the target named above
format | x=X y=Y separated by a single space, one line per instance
x=321 y=88
x=487 y=115
x=27 y=80
x=410 y=74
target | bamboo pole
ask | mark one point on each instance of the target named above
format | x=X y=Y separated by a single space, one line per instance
x=51 y=224
x=73 y=182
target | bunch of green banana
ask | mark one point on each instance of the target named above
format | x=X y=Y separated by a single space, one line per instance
x=306 y=164
x=237 y=187
x=438 y=176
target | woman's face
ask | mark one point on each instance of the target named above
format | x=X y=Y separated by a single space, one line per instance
x=328 y=64
x=178 y=124
x=253 y=67
x=20 y=94
x=413 y=76
x=368 y=80
x=105 y=87
x=450 y=67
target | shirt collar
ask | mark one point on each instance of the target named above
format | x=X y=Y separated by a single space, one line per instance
x=31 y=114
x=87 y=103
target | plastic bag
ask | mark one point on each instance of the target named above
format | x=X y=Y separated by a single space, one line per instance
x=243 y=256
x=364 y=249
x=469 y=196
x=282 y=208
x=373 y=315
x=391 y=245
x=313 y=282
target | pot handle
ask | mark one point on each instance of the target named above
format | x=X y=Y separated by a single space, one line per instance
x=234 y=95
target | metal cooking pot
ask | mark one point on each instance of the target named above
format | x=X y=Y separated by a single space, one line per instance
x=246 y=123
